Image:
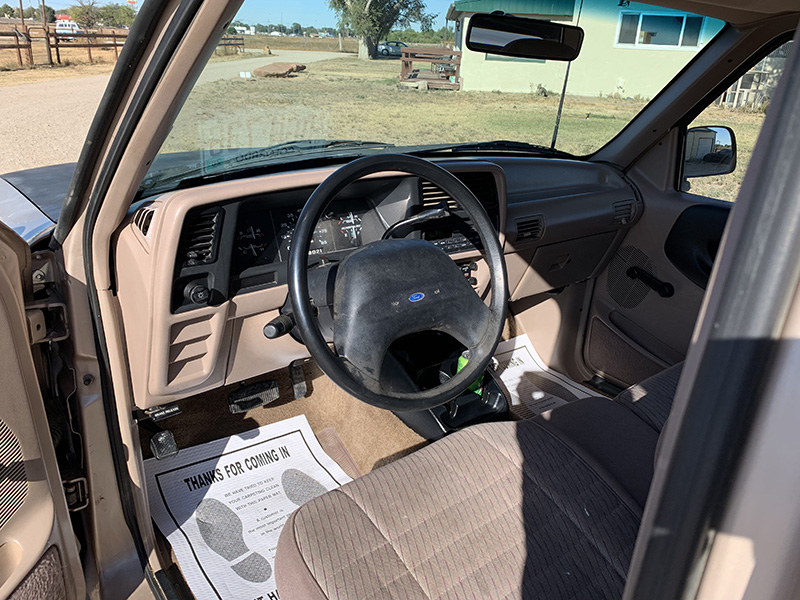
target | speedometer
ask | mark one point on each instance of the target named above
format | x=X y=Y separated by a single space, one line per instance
x=350 y=228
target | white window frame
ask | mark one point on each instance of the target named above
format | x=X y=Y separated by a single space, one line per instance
x=643 y=14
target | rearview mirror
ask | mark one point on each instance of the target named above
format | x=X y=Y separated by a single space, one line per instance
x=709 y=151
x=524 y=38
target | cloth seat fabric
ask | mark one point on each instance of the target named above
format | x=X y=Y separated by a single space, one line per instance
x=651 y=400
x=500 y=510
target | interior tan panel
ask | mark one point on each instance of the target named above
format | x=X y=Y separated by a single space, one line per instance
x=175 y=355
x=33 y=513
x=554 y=235
x=635 y=332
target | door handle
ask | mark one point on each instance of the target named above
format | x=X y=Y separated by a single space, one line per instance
x=662 y=288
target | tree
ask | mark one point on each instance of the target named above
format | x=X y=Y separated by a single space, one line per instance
x=85 y=13
x=231 y=30
x=117 y=15
x=372 y=20
x=297 y=29
x=7 y=11
x=49 y=13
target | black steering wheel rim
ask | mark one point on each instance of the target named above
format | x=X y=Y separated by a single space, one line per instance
x=332 y=364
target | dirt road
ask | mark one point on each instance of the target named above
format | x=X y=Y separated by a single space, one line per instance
x=46 y=122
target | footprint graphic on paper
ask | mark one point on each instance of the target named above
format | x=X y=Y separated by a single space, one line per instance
x=299 y=487
x=221 y=529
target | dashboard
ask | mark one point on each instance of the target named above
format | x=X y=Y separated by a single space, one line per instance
x=243 y=245
x=200 y=271
x=264 y=236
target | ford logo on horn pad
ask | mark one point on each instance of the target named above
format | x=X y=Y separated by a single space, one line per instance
x=416 y=297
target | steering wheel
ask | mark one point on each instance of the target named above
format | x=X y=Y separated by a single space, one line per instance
x=392 y=288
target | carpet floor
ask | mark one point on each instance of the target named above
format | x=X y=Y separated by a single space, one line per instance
x=372 y=436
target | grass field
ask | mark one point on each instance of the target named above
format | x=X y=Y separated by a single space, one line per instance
x=351 y=99
x=259 y=42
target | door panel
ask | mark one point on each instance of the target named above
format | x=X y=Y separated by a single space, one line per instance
x=38 y=552
x=633 y=330
x=693 y=241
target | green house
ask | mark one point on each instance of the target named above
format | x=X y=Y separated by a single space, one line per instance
x=630 y=49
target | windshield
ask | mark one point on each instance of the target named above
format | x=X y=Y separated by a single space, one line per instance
x=315 y=79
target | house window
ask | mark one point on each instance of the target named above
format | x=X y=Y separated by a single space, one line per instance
x=669 y=31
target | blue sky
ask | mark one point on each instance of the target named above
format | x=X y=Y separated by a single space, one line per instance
x=310 y=12
x=306 y=12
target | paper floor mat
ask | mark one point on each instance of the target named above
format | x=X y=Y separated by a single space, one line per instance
x=222 y=505
x=531 y=385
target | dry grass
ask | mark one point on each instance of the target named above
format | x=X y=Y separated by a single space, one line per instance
x=16 y=76
x=300 y=43
x=351 y=99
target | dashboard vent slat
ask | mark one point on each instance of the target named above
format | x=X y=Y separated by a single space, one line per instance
x=530 y=229
x=143 y=218
x=433 y=196
x=482 y=184
x=623 y=212
x=198 y=239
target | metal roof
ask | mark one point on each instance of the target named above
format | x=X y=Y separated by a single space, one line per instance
x=548 y=8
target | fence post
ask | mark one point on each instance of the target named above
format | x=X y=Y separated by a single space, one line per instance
x=89 y=47
x=16 y=45
x=47 y=43
x=58 y=51
x=114 y=40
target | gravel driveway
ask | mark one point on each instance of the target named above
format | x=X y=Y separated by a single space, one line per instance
x=45 y=123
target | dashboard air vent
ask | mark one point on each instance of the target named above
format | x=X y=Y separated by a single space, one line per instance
x=530 y=229
x=198 y=239
x=143 y=218
x=433 y=196
x=623 y=212
x=480 y=183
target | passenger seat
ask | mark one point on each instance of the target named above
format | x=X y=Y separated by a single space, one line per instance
x=651 y=400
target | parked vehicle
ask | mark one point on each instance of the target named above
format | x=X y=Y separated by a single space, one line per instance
x=64 y=27
x=391 y=48
x=231 y=254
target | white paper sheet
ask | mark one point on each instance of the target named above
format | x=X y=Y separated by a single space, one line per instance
x=529 y=381
x=222 y=505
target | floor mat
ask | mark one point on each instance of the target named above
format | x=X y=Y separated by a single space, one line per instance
x=531 y=386
x=222 y=504
x=372 y=435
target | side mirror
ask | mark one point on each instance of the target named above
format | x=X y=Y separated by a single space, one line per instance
x=524 y=38
x=709 y=151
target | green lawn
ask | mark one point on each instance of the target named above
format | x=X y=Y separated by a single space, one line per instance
x=346 y=98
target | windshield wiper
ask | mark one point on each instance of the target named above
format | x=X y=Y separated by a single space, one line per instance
x=250 y=157
x=502 y=145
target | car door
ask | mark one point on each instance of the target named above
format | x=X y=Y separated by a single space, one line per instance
x=38 y=550
x=646 y=302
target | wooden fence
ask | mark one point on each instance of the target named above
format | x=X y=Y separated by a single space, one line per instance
x=23 y=41
x=235 y=41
